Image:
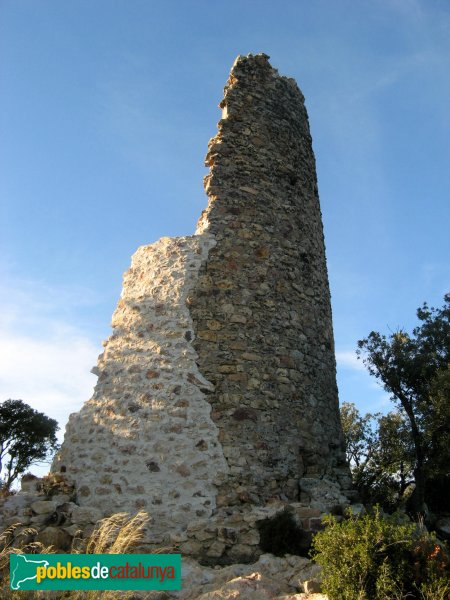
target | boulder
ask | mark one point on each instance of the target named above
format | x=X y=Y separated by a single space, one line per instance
x=44 y=507
x=56 y=537
x=85 y=514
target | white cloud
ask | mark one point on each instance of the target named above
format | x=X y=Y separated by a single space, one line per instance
x=45 y=360
x=50 y=374
x=347 y=359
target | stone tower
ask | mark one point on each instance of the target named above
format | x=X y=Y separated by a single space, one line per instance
x=216 y=394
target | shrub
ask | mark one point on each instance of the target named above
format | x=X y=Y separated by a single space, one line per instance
x=372 y=557
x=55 y=483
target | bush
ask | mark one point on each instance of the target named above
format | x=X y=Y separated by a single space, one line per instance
x=54 y=484
x=372 y=557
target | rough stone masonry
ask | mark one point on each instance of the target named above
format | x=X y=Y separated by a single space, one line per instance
x=216 y=403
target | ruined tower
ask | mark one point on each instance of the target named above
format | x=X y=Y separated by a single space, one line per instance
x=216 y=393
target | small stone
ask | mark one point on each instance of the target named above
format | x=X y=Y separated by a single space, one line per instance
x=253 y=383
x=209 y=336
x=216 y=549
x=191 y=548
x=249 y=190
x=312 y=587
x=84 y=491
x=200 y=382
x=238 y=319
x=238 y=377
x=151 y=374
x=16 y=520
x=238 y=345
x=73 y=530
x=203 y=535
x=160 y=309
x=227 y=369
x=250 y=356
x=243 y=553
x=178 y=537
x=245 y=414
x=287 y=362
x=262 y=252
x=55 y=537
x=250 y=537
x=227 y=535
x=43 y=507
x=153 y=466
x=85 y=514
x=221 y=500
x=61 y=498
x=183 y=470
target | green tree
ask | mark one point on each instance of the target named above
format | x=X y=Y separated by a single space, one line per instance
x=413 y=368
x=396 y=457
x=26 y=437
x=380 y=454
x=360 y=440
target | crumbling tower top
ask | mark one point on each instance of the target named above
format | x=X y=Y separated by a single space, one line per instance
x=262 y=112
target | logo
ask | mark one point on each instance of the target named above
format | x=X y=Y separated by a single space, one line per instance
x=95 y=571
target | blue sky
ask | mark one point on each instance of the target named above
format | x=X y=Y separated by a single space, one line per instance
x=106 y=108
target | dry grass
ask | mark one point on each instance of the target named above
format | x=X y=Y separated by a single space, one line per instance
x=439 y=590
x=118 y=534
x=23 y=546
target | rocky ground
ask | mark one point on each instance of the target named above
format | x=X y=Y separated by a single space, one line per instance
x=270 y=578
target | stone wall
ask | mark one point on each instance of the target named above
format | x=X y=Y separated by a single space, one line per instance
x=216 y=404
x=261 y=308
x=145 y=441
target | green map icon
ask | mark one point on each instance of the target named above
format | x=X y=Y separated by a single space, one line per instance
x=23 y=570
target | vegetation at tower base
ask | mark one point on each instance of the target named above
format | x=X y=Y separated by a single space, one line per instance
x=26 y=437
x=414 y=368
x=375 y=557
x=381 y=456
